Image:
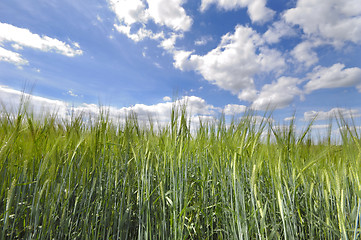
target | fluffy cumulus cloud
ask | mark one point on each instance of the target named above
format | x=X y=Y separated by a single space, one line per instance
x=332 y=20
x=334 y=112
x=233 y=64
x=181 y=60
x=232 y=109
x=244 y=55
x=278 y=30
x=22 y=37
x=303 y=53
x=169 y=43
x=134 y=15
x=129 y=12
x=333 y=77
x=277 y=94
x=324 y=22
x=169 y=13
x=198 y=106
x=257 y=10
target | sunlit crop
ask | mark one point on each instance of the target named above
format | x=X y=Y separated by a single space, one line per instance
x=96 y=179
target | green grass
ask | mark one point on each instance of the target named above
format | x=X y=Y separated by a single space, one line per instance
x=94 y=179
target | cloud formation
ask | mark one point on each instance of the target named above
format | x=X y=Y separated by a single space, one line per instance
x=324 y=22
x=12 y=57
x=331 y=20
x=333 y=77
x=334 y=112
x=232 y=109
x=134 y=15
x=278 y=30
x=169 y=13
x=304 y=53
x=196 y=106
x=167 y=99
x=277 y=94
x=203 y=40
x=243 y=55
x=257 y=10
x=22 y=37
x=11 y=98
x=233 y=64
x=129 y=12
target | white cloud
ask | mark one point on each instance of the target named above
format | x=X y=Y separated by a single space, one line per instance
x=161 y=112
x=248 y=94
x=203 y=40
x=16 y=46
x=99 y=18
x=134 y=15
x=197 y=105
x=232 y=109
x=12 y=57
x=334 y=112
x=158 y=65
x=277 y=31
x=289 y=118
x=334 y=20
x=22 y=37
x=351 y=128
x=320 y=126
x=284 y=128
x=181 y=60
x=169 y=13
x=196 y=120
x=169 y=43
x=167 y=99
x=77 y=45
x=129 y=11
x=258 y=119
x=11 y=98
x=333 y=77
x=257 y=10
x=304 y=53
x=271 y=60
x=234 y=62
x=277 y=94
x=71 y=93
x=140 y=35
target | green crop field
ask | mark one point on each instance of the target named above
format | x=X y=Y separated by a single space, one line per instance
x=92 y=178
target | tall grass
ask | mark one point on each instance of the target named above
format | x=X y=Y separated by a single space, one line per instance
x=95 y=179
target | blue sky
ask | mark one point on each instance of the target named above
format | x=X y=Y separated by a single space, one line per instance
x=219 y=55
